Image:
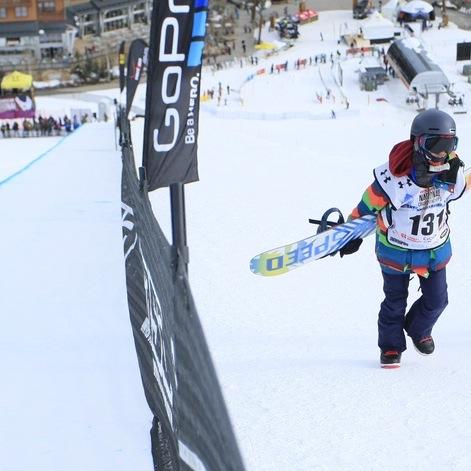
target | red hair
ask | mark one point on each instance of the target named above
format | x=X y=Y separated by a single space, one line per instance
x=400 y=158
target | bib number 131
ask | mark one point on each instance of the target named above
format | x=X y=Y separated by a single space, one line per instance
x=427 y=223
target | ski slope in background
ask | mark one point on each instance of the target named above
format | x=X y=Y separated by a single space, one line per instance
x=296 y=354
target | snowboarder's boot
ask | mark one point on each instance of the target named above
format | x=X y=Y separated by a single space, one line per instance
x=425 y=345
x=390 y=359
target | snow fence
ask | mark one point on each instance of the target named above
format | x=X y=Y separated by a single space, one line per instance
x=191 y=427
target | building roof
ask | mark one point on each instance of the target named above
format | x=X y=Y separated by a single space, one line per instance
x=31 y=28
x=53 y=26
x=416 y=67
x=377 y=71
x=19 y=28
x=87 y=7
x=101 y=4
x=97 y=5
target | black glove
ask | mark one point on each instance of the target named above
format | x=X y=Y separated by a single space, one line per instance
x=350 y=247
x=450 y=176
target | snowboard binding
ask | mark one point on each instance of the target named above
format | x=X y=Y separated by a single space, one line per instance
x=325 y=224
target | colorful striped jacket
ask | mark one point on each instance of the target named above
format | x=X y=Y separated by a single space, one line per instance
x=394 y=259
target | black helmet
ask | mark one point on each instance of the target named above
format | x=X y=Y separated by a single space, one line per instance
x=434 y=135
x=433 y=122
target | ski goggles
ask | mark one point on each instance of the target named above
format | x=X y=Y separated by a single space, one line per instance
x=435 y=145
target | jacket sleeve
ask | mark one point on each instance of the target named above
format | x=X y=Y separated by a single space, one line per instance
x=460 y=186
x=372 y=201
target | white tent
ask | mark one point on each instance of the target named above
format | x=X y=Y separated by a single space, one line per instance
x=376 y=19
x=416 y=6
x=391 y=9
x=376 y=28
x=378 y=33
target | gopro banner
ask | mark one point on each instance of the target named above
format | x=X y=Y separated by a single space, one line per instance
x=191 y=428
x=121 y=64
x=173 y=87
x=137 y=59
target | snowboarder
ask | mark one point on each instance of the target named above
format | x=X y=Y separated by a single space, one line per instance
x=410 y=196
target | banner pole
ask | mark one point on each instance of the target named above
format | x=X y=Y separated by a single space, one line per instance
x=115 y=116
x=177 y=204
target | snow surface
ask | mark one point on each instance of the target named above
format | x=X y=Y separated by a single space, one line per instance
x=296 y=354
x=70 y=394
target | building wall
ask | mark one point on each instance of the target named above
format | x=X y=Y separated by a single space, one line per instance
x=31 y=10
x=13 y=11
x=50 y=10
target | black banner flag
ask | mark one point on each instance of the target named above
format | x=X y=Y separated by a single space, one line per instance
x=191 y=427
x=173 y=85
x=121 y=64
x=136 y=61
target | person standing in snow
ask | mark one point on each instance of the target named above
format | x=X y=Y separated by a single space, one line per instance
x=410 y=196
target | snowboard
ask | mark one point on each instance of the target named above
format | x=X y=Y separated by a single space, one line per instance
x=288 y=257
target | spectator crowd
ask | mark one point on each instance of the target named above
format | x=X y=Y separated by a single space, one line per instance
x=42 y=126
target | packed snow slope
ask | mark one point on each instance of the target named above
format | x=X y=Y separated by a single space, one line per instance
x=71 y=396
x=296 y=354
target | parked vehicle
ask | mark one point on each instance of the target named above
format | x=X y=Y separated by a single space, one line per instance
x=287 y=28
x=361 y=10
